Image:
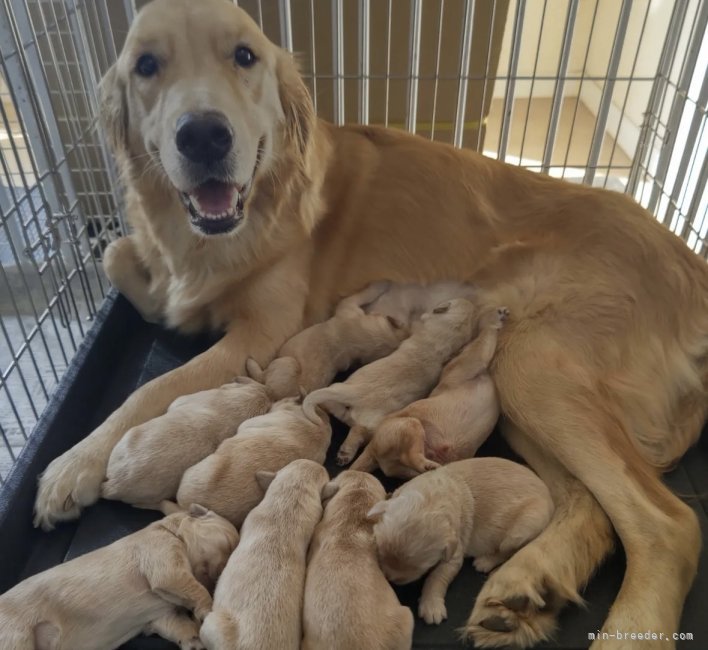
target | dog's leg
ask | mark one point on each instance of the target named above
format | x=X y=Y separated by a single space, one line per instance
x=519 y=603
x=356 y=437
x=178 y=628
x=176 y=584
x=73 y=480
x=432 y=600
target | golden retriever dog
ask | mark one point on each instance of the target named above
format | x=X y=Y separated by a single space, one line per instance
x=258 y=599
x=348 y=604
x=312 y=358
x=143 y=583
x=486 y=508
x=146 y=466
x=253 y=217
x=449 y=425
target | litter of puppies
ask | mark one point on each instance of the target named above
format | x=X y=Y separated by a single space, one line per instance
x=315 y=556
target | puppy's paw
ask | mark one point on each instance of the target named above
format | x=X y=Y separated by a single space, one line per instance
x=502 y=315
x=485 y=563
x=344 y=457
x=192 y=644
x=432 y=610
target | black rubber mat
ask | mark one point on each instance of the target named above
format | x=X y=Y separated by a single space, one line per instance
x=122 y=352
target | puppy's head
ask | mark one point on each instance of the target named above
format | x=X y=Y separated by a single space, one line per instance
x=453 y=314
x=201 y=102
x=208 y=538
x=282 y=377
x=412 y=536
x=298 y=476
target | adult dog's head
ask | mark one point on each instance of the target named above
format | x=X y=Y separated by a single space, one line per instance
x=200 y=98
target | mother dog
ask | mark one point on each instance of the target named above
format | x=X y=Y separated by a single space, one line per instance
x=252 y=216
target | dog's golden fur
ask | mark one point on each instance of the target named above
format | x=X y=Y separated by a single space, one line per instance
x=602 y=370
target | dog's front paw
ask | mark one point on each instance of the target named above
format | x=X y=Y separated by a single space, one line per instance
x=485 y=563
x=432 y=610
x=344 y=457
x=70 y=483
x=192 y=644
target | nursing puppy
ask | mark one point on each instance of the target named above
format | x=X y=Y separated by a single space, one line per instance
x=407 y=302
x=449 y=425
x=225 y=481
x=395 y=381
x=142 y=583
x=147 y=464
x=258 y=599
x=312 y=358
x=349 y=605
x=486 y=508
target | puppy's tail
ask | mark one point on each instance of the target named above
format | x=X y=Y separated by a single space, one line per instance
x=330 y=398
x=219 y=631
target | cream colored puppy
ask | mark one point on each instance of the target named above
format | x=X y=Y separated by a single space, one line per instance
x=226 y=482
x=407 y=302
x=258 y=599
x=395 y=381
x=147 y=464
x=486 y=508
x=142 y=583
x=349 y=605
x=312 y=358
x=449 y=425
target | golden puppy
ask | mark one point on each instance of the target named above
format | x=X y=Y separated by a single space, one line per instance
x=147 y=464
x=486 y=508
x=449 y=425
x=225 y=481
x=258 y=599
x=405 y=375
x=602 y=373
x=313 y=357
x=348 y=603
x=143 y=583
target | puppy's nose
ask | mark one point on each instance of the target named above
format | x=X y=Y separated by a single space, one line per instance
x=203 y=137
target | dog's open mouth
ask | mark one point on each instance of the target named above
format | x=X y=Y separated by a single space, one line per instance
x=216 y=207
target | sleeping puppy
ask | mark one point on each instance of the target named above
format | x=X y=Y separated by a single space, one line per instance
x=312 y=358
x=407 y=302
x=226 y=482
x=143 y=583
x=395 y=381
x=486 y=508
x=449 y=425
x=258 y=599
x=147 y=464
x=349 y=605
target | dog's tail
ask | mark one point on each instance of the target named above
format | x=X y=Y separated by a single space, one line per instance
x=367 y=461
x=219 y=631
x=332 y=399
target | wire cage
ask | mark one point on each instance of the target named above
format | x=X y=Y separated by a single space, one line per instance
x=604 y=92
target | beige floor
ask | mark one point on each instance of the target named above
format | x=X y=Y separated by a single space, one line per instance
x=572 y=145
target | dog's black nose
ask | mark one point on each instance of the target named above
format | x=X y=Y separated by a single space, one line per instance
x=203 y=137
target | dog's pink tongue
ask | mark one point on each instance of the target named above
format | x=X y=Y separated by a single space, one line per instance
x=214 y=197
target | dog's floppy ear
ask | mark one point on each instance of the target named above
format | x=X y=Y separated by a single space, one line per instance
x=443 y=308
x=197 y=510
x=296 y=102
x=264 y=479
x=254 y=370
x=329 y=490
x=451 y=543
x=395 y=323
x=377 y=511
x=436 y=447
x=47 y=636
x=113 y=110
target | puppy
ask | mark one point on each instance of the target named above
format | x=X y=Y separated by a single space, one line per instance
x=142 y=583
x=406 y=303
x=395 y=381
x=147 y=464
x=258 y=599
x=312 y=358
x=449 y=425
x=349 y=605
x=226 y=482
x=486 y=508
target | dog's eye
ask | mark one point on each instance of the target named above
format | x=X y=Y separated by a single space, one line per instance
x=244 y=57
x=146 y=65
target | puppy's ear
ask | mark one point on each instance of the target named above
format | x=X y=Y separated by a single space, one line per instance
x=254 y=370
x=451 y=543
x=297 y=104
x=395 y=323
x=47 y=636
x=113 y=110
x=264 y=479
x=377 y=511
x=436 y=447
x=443 y=308
x=197 y=510
x=329 y=490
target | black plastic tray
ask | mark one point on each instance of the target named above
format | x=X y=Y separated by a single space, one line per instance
x=121 y=352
